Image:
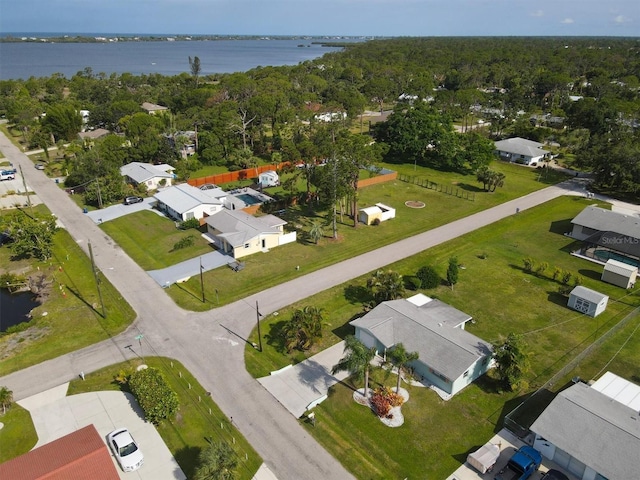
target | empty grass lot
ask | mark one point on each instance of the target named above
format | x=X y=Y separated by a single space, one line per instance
x=193 y=427
x=71 y=317
x=149 y=240
x=502 y=298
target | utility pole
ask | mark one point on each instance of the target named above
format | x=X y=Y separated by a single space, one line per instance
x=95 y=274
x=258 y=322
x=201 y=280
x=26 y=189
x=99 y=194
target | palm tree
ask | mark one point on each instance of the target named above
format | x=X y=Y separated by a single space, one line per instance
x=304 y=328
x=316 y=232
x=217 y=461
x=6 y=399
x=399 y=358
x=357 y=361
x=386 y=285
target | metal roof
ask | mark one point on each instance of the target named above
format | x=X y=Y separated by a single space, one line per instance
x=596 y=430
x=182 y=198
x=521 y=146
x=141 y=172
x=588 y=294
x=431 y=330
x=620 y=268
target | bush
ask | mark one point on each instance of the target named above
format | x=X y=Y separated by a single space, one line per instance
x=191 y=223
x=428 y=277
x=383 y=399
x=184 y=243
x=154 y=395
x=412 y=283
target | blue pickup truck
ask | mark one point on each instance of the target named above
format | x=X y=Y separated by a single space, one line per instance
x=521 y=465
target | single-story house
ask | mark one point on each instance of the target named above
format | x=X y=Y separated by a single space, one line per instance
x=619 y=273
x=183 y=202
x=593 y=431
x=269 y=178
x=153 y=176
x=379 y=211
x=89 y=135
x=587 y=301
x=520 y=150
x=152 y=108
x=239 y=234
x=608 y=231
x=449 y=357
x=81 y=454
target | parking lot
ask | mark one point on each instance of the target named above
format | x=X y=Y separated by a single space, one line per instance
x=13 y=194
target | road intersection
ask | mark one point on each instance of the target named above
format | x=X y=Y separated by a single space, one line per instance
x=210 y=344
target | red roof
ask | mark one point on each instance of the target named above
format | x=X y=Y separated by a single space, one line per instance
x=81 y=455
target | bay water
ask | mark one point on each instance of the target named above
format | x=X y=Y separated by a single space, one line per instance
x=22 y=60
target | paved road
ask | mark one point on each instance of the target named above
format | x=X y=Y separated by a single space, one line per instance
x=211 y=344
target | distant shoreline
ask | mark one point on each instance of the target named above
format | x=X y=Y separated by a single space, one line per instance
x=34 y=37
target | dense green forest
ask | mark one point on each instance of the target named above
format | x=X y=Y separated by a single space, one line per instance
x=582 y=94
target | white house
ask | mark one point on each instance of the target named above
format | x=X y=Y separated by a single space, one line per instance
x=239 y=234
x=379 y=211
x=153 y=109
x=449 y=356
x=593 y=431
x=183 y=202
x=619 y=273
x=520 y=150
x=153 y=176
x=587 y=301
x=269 y=178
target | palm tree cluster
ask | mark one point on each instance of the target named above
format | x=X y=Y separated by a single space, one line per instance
x=386 y=285
x=356 y=361
x=304 y=328
x=490 y=179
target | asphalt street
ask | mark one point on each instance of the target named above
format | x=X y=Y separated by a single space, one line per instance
x=211 y=344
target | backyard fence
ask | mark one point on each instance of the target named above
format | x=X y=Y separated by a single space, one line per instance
x=439 y=187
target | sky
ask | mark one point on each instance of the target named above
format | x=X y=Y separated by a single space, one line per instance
x=326 y=17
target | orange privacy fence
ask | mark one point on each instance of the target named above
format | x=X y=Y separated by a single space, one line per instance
x=228 y=177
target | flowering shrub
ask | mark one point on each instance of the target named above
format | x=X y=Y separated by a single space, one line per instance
x=383 y=399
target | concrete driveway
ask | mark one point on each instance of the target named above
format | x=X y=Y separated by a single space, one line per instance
x=55 y=415
x=116 y=211
x=300 y=387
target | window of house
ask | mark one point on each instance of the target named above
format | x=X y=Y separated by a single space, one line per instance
x=189 y=215
x=246 y=245
x=466 y=374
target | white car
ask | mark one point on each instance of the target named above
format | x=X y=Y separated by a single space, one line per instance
x=125 y=449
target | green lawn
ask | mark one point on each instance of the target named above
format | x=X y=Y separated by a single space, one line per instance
x=18 y=434
x=279 y=265
x=71 y=316
x=502 y=298
x=188 y=433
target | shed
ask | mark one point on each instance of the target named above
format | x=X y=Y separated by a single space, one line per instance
x=587 y=301
x=269 y=178
x=619 y=273
x=379 y=211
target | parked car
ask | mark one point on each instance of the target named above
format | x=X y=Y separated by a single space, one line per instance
x=39 y=166
x=132 y=200
x=521 y=465
x=554 y=475
x=7 y=175
x=125 y=449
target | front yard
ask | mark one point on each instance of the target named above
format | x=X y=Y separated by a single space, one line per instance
x=501 y=297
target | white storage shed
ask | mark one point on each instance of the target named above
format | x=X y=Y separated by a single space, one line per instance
x=619 y=273
x=587 y=301
x=269 y=178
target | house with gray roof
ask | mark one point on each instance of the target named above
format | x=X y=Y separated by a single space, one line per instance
x=449 y=357
x=153 y=109
x=153 y=176
x=593 y=431
x=608 y=231
x=239 y=234
x=520 y=150
x=183 y=202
